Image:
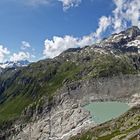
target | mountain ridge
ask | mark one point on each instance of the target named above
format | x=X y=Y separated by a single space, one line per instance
x=12 y=64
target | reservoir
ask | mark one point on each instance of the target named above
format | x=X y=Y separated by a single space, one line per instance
x=105 y=111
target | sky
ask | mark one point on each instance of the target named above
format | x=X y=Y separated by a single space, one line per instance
x=38 y=29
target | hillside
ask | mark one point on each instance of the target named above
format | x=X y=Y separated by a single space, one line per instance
x=26 y=90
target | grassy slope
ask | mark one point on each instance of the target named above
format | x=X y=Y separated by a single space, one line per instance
x=12 y=109
x=21 y=95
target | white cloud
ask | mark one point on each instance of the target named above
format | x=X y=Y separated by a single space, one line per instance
x=104 y=22
x=70 y=3
x=58 y=44
x=133 y=12
x=3 y=53
x=25 y=45
x=20 y=56
x=86 y=40
x=126 y=11
x=117 y=18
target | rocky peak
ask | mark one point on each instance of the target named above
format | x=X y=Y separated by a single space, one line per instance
x=132 y=32
x=125 y=41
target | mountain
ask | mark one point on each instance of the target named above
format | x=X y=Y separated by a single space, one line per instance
x=50 y=93
x=12 y=64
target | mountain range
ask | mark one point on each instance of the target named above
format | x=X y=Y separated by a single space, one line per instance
x=47 y=95
x=12 y=64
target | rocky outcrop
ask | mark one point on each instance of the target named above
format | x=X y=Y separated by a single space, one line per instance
x=126 y=41
x=102 y=89
x=66 y=116
x=61 y=122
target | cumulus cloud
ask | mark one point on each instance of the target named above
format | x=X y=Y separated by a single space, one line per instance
x=70 y=3
x=3 y=53
x=58 y=44
x=133 y=12
x=126 y=11
x=20 y=56
x=86 y=40
x=25 y=45
x=104 y=22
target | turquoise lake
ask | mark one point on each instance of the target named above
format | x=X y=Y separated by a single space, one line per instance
x=105 y=111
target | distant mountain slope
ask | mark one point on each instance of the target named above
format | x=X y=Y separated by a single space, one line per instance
x=10 y=64
x=126 y=127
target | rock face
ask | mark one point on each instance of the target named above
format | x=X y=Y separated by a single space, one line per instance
x=104 y=89
x=59 y=125
x=62 y=121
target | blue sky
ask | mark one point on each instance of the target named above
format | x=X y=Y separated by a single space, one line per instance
x=37 y=29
